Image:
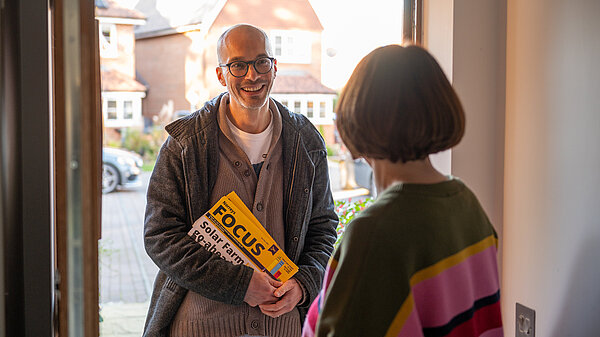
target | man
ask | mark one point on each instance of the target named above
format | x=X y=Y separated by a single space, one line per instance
x=276 y=162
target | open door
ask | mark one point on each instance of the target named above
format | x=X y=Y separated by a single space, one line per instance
x=77 y=153
x=412 y=31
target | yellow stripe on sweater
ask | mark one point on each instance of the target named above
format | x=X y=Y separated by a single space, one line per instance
x=431 y=271
x=401 y=317
x=452 y=260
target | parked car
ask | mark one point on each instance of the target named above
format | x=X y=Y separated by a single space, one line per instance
x=180 y=113
x=120 y=168
x=363 y=175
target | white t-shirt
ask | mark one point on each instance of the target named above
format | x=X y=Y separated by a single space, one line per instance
x=255 y=145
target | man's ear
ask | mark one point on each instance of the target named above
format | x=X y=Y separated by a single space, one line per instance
x=275 y=65
x=220 y=76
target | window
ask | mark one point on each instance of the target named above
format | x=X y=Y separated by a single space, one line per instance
x=316 y=107
x=292 y=46
x=297 y=106
x=122 y=109
x=128 y=110
x=278 y=50
x=309 y=109
x=111 y=110
x=108 y=40
x=106 y=33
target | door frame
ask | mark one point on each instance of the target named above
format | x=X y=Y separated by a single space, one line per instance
x=77 y=122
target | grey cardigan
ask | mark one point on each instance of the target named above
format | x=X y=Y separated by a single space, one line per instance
x=179 y=192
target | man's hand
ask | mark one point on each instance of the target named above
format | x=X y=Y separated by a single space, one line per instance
x=261 y=289
x=289 y=293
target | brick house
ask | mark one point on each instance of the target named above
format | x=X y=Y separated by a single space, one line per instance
x=176 y=55
x=122 y=94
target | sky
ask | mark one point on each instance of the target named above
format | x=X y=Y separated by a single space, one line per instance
x=352 y=28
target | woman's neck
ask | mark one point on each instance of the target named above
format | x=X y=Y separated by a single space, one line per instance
x=412 y=172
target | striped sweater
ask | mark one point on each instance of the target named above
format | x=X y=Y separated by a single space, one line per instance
x=420 y=261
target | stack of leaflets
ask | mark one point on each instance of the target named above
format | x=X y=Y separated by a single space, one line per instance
x=233 y=233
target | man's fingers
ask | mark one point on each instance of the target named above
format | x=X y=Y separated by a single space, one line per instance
x=287 y=286
x=268 y=300
x=282 y=290
x=272 y=307
x=273 y=314
x=274 y=310
x=274 y=282
x=261 y=289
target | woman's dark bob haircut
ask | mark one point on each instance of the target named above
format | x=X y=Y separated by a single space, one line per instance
x=398 y=105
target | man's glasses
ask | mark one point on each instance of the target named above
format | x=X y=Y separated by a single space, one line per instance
x=262 y=65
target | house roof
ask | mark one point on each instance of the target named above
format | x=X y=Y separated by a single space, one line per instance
x=113 y=80
x=299 y=83
x=165 y=19
x=271 y=14
x=111 y=9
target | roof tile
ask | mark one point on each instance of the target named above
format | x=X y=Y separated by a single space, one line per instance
x=114 y=10
x=299 y=84
x=113 y=80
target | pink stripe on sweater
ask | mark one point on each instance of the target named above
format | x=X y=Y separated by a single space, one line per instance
x=310 y=322
x=453 y=291
x=326 y=280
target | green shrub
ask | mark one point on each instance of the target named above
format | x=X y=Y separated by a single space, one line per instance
x=332 y=150
x=113 y=143
x=145 y=144
x=346 y=211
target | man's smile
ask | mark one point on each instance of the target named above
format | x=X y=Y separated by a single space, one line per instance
x=253 y=88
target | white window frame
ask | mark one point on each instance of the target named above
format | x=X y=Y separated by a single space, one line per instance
x=294 y=46
x=135 y=98
x=310 y=109
x=317 y=99
x=116 y=109
x=322 y=109
x=108 y=49
x=125 y=110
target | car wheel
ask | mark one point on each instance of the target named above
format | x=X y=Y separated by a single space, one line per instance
x=110 y=178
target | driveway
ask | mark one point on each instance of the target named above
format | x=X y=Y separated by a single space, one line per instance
x=126 y=271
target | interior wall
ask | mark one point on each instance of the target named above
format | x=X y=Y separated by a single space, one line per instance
x=473 y=60
x=548 y=215
x=552 y=185
x=479 y=70
x=437 y=38
x=468 y=38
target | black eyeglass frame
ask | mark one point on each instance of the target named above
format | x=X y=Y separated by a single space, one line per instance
x=248 y=63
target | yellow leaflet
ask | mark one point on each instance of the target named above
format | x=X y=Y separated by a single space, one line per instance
x=230 y=231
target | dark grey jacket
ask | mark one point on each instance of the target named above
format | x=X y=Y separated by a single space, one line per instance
x=179 y=192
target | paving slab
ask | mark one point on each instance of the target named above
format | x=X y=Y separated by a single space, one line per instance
x=123 y=319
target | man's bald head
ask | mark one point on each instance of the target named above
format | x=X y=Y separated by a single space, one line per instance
x=242 y=31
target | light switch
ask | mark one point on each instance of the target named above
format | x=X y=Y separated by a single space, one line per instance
x=525 y=324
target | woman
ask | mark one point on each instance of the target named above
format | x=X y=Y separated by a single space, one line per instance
x=420 y=261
